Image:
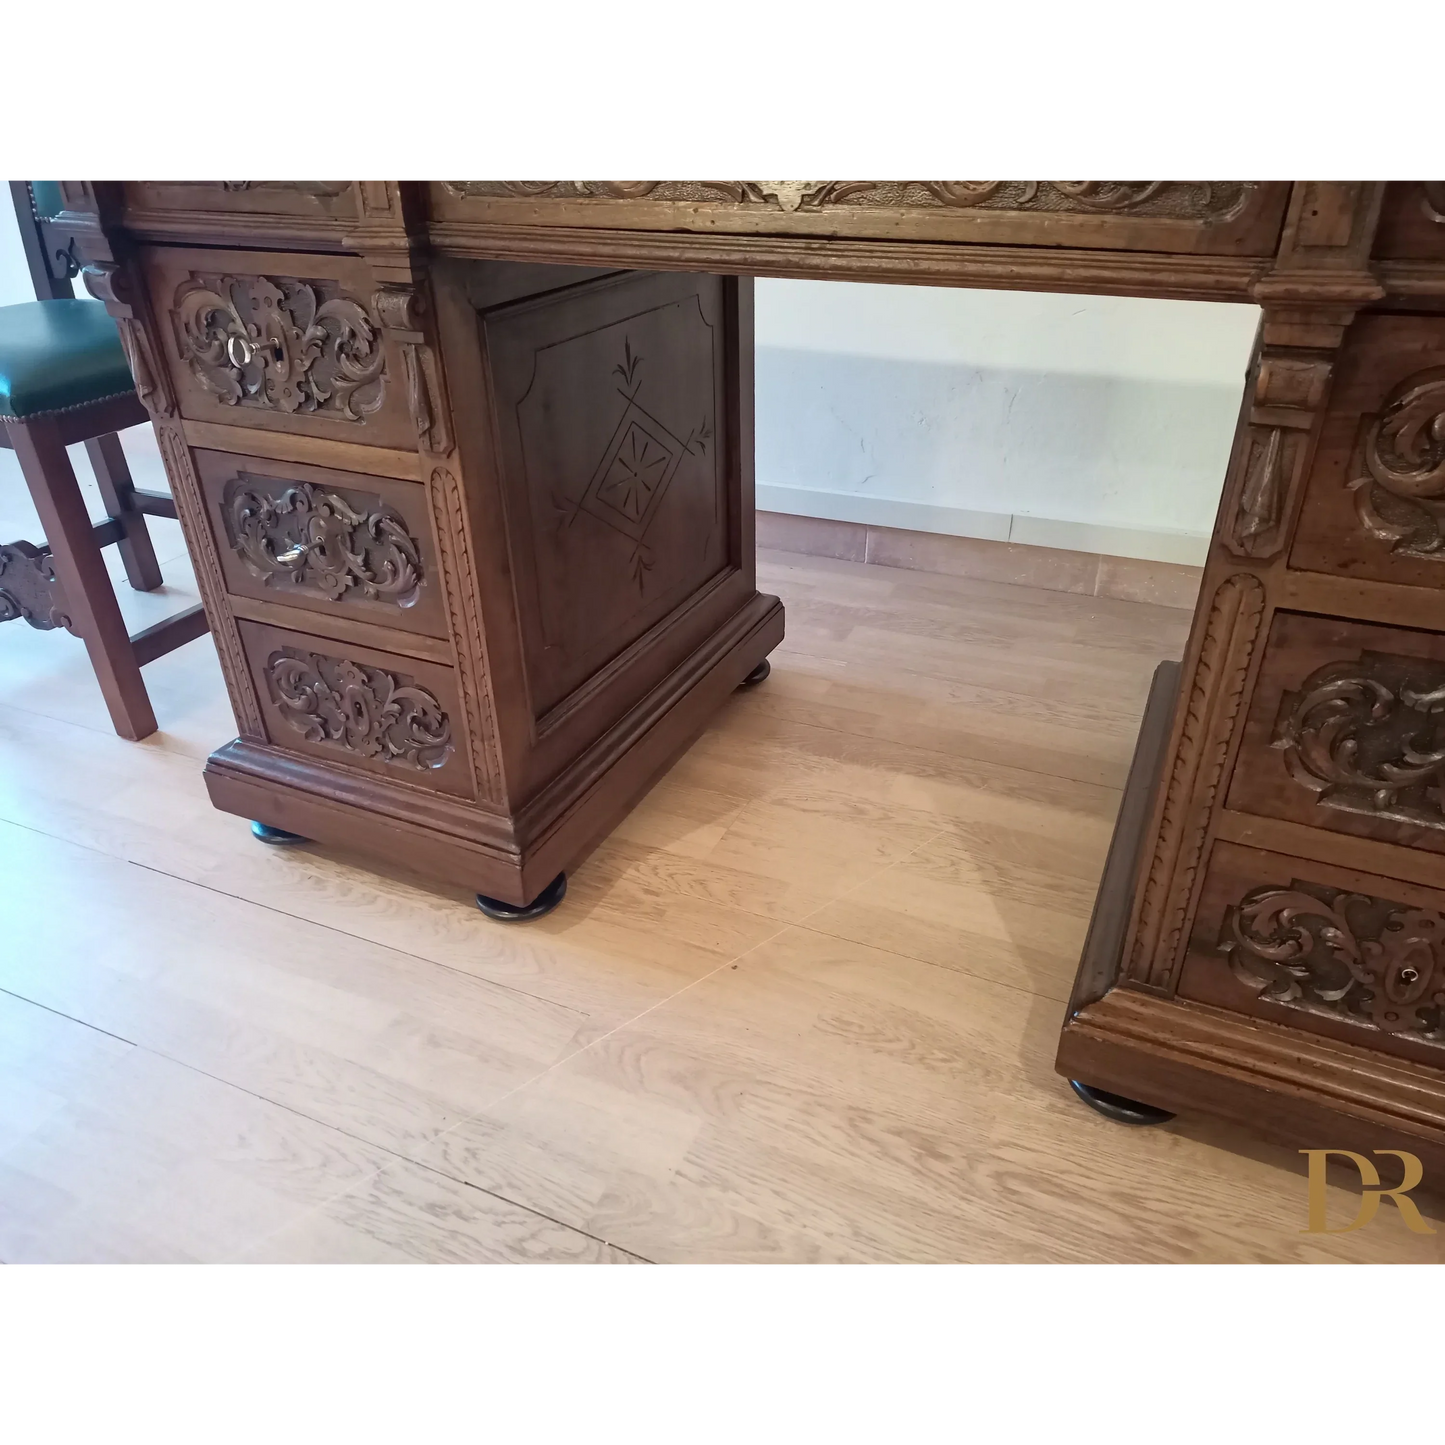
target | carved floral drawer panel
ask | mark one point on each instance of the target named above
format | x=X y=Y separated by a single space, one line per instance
x=1375 y=502
x=1325 y=949
x=397 y=717
x=284 y=342
x=1238 y=218
x=1346 y=731
x=305 y=200
x=329 y=541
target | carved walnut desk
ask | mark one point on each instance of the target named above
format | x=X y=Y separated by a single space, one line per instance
x=465 y=469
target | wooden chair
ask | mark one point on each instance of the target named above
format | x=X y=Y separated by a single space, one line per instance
x=64 y=379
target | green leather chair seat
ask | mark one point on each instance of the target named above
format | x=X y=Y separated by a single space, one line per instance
x=58 y=354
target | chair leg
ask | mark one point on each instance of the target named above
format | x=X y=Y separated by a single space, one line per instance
x=81 y=568
x=137 y=552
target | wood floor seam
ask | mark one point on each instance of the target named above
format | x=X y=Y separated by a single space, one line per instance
x=360 y=938
x=69 y=1018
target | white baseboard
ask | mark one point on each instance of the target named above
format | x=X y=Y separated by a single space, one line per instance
x=1188 y=548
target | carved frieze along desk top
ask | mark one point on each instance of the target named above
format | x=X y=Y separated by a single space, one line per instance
x=466 y=470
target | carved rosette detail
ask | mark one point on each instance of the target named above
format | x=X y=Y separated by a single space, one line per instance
x=312 y=538
x=282 y=344
x=186 y=489
x=29 y=589
x=1347 y=954
x=1400 y=488
x=464 y=613
x=1211 y=710
x=362 y=710
x=1209 y=201
x=1369 y=737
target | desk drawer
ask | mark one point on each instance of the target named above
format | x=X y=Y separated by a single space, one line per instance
x=1346 y=731
x=329 y=541
x=282 y=342
x=1221 y=218
x=1328 y=950
x=297 y=201
x=1374 y=505
x=396 y=717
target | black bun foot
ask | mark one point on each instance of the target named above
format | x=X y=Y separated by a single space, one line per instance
x=544 y=902
x=1117 y=1107
x=758 y=674
x=279 y=836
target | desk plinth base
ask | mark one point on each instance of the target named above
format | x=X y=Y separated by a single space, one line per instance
x=511 y=857
x=1188 y=1058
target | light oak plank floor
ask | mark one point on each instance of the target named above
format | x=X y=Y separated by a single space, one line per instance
x=801 y=1006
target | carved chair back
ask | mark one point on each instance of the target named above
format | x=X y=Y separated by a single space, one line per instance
x=49 y=245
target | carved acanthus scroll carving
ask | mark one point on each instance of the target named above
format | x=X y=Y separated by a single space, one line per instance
x=1400 y=488
x=29 y=589
x=1211 y=709
x=309 y=537
x=366 y=711
x=1184 y=200
x=1347 y=954
x=280 y=343
x=1369 y=737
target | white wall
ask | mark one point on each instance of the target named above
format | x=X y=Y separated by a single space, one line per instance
x=1096 y=423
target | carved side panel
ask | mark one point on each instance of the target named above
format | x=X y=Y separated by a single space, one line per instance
x=1346 y=731
x=1211 y=703
x=619 y=514
x=1325 y=949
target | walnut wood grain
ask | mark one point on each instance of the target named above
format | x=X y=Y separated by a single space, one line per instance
x=557 y=355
